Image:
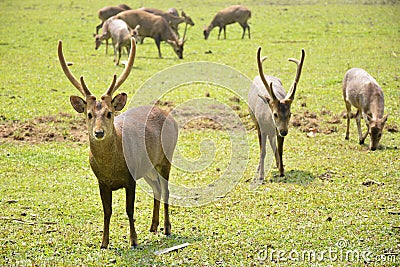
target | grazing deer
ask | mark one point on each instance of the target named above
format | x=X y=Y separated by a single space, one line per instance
x=270 y=110
x=127 y=147
x=229 y=15
x=363 y=92
x=120 y=34
x=155 y=27
x=107 y=12
x=173 y=20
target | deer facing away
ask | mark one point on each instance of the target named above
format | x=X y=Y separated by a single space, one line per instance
x=229 y=15
x=155 y=27
x=362 y=91
x=109 y=11
x=270 y=110
x=127 y=147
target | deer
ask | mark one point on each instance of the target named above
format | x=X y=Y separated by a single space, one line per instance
x=120 y=34
x=126 y=147
x=269 y=108
x=108 y=12
x=363 y=92
x=229 y=15
x=155 y=27
x=173 y=20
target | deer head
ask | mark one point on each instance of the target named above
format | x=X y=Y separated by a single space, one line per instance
x=99 y=113
x=280 y=108
x=375 y=130
x=177 y=44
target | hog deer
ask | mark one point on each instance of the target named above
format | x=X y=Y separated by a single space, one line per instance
x=120 y=35
x=107 y=12
x=363 y=92
x=229 y=15
x=270 y=110
x=155 y=27
x=127 y=147
x=173 y=20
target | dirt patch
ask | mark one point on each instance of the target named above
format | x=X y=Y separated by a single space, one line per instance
x=58 y=128
x=310 y=121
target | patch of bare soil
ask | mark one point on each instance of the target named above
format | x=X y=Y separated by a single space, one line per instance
x=312 y=122
x=57 y=128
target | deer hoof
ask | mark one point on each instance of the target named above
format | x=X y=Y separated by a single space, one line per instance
x=361 y=142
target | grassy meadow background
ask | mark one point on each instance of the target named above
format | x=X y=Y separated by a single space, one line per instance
x=335 y=190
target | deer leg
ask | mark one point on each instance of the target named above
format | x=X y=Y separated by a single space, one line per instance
x=164 y=177
x=106 y=46
x=248 y=30
x=280 y=140
x=106 y=199
x=158 y=42
x=260 y=145
x=367 y=132
x=244 y=26
x=272 y=143
x=358 y=120
x=219 y=33
x=98 y=27
x=130 y=209
x=153 y=180
x=348 y=108
x=224 y=32
x=262 y=141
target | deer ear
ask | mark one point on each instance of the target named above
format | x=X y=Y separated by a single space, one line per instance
x=119 y=101
x=183 y=14
x=78 y=103
x=171 y=42
x=384 y=119
x=265 y=98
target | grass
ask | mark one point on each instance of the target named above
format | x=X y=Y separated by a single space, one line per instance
x=335 y=190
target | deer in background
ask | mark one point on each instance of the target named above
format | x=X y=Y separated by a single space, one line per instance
x=107 y=12
x=120 y=34
x=229 y=15
x=270 y=110
x=127 y=147
x=173 y=20
x=363 y=92
x=155 y=27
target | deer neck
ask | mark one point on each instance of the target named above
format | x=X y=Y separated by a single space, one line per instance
x=376 y=105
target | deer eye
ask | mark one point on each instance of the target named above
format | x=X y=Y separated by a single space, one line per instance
x=90 y=116
x=109 y=114
x=275 y=115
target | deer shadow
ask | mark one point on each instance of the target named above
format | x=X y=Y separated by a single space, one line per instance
x=299 y=177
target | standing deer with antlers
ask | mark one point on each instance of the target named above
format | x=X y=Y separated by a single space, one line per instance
x=270 y=110
x=127 y=147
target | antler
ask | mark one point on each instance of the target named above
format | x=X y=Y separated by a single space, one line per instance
x=261 y=72
x=124 y=75
x=81 y=86
x=292 y=89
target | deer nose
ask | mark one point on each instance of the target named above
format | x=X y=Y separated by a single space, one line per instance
x=373 y=148
x=99 y=134
x=283 y=133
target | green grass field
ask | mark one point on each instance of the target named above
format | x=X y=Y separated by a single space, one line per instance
x=338 y=204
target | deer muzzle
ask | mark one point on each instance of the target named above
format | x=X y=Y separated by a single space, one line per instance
x=99 y=134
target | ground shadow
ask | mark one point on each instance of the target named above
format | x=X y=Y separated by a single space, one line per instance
x=299 y=177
